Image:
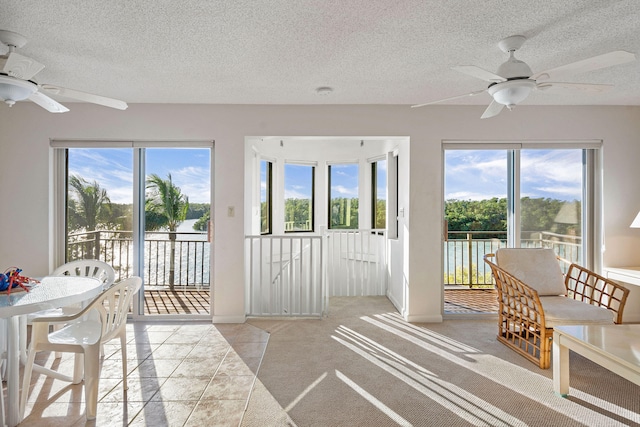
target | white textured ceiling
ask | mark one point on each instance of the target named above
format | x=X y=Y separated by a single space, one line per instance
x=280 y=51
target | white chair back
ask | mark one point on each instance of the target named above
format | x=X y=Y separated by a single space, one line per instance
x=88 y=268
x=113 y=306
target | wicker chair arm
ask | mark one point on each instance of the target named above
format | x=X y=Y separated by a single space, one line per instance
x=516 y=298
x=586 y=286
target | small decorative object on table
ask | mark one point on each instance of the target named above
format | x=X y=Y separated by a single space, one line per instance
x=11 y=278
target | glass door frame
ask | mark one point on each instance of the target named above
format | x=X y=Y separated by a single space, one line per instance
x=58 y=188
x=591 y=191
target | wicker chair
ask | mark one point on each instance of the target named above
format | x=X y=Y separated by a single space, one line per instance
x=533 y=297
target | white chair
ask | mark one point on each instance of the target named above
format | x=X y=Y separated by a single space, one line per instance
x=83 y=333
x=81 y=267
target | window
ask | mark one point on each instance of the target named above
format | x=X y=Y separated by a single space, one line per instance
x=298 y=197
x=142 y=209
x=379 y=194
x=393 y=200
x=343 y=196
x=523 y=195
x=551 y=200
x=265 y=197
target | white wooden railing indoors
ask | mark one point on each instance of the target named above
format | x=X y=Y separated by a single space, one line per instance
x=294 y=275
x=284 y=276
x=356 y=262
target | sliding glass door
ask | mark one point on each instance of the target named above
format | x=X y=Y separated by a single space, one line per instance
x=551 y=200
x=476 y=213
x=177 y=213
x=146 y=212
x=519 y=196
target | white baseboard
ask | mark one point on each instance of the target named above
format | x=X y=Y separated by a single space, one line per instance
x=424 y=318
x=229 y=319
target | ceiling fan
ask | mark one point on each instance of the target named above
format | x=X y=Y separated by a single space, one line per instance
x=17 y=84
x=514 y=80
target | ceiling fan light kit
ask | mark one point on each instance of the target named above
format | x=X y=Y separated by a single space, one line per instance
x=514 y=80
x=511 y=92
x=13 y=90
x=17 y=84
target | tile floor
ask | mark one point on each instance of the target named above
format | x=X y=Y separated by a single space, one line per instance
x=179 y=374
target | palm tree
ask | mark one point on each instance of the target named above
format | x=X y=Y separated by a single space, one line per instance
x=87 y=207
x=165 y=207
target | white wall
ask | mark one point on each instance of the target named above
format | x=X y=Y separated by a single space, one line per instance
x=25 y=175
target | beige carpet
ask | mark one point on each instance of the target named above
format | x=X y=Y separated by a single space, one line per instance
x=364 y=366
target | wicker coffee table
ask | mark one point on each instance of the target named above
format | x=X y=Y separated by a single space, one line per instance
x=615 y=347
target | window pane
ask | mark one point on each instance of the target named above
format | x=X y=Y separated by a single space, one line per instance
x=343 y=196
x=475 y=191
x=379 y=199
x=551 y=201
x=298 y=197
x=265 y=197
x=177 y=213
x=99 y=207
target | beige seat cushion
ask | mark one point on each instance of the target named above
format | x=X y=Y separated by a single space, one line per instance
x=536 y=267
x=567 y=311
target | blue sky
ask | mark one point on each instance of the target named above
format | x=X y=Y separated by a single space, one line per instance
x=469 y=174
x=112 y=168
x=482 y=174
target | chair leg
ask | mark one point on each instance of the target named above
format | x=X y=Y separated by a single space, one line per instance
x=78 y=368
x=2 y=414
x=22 y=339
x=123 y=349
x=58 y=354
x=26 y=380
x=91 y=379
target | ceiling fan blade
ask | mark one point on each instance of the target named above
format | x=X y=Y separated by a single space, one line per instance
x=586 y=87
x=590 y=64
x=479 y=73
x=450 y=98
x=47 y=103
x=21 y=67
x=492 y=110
x=84 y=96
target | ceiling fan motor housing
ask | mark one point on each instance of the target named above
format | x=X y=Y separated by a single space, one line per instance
x=514 y=68
x=518 y=85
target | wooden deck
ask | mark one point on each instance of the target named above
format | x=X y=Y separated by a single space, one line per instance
x=165 y=301
x=470 y=301
x=457 y=301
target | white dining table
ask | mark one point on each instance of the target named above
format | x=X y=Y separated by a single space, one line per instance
x=51 y=292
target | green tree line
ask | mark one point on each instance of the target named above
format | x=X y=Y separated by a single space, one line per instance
x=537 y=214
x=344 y=212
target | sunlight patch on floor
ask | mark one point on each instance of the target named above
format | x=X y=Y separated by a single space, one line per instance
x=466 y=405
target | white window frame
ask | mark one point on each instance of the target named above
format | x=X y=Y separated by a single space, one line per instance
x=592 y=238
x=58 y=226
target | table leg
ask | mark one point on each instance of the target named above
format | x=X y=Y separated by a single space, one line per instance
x=13 y=371
x=560 y=367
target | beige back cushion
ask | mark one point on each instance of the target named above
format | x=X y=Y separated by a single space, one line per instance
x=536 y=267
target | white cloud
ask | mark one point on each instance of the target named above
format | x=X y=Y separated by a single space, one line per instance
x=194 y=182
x=482 y=174
x=293 y=194
x=344 y=191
